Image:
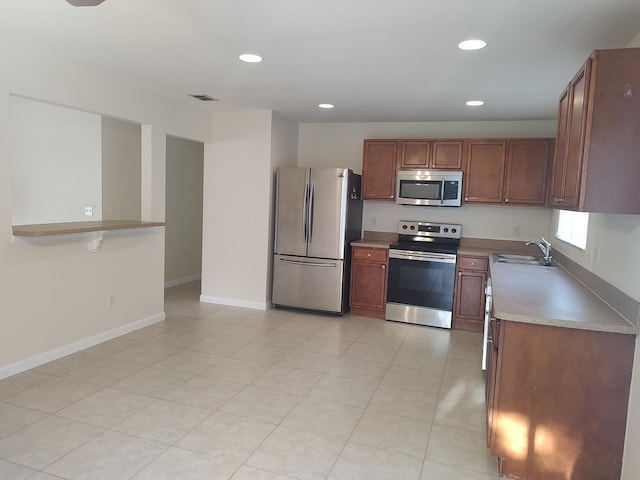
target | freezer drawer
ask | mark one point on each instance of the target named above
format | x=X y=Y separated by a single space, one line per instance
x=311 y=283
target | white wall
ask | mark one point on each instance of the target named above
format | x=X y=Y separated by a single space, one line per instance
x=56 y=163
x=54 y=292
x=236 y=209
x=183 y=229
x=340 y=144
x=238 y=204
x=121 y=170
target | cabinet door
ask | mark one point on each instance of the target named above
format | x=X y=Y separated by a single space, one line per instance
x=527 y=171
x=469 y=300
x=575 y=138
x=447 y=154
x=484 y=179
x=490 y=376
x=560 y=160
x=379 y=169
x=560 y=386
x=414 y=154
x=368 y=285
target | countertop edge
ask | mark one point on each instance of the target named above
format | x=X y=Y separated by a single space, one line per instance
x=576 y=325
x=50 y=229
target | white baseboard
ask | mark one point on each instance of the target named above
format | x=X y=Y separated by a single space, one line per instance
x=60 y=352
x=234 y=302
x=180 y=281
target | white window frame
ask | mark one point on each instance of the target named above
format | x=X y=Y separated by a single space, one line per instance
x=573 y=228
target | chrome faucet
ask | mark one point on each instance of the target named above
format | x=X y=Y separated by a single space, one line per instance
x=545 y=247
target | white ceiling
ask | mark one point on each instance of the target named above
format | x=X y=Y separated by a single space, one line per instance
x=376 y=60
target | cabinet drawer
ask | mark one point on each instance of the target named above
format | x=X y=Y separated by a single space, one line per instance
x=374 y=254
x=473 y=263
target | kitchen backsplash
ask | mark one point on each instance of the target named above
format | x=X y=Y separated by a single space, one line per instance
x=628 y=307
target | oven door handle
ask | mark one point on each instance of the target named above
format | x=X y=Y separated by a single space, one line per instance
x=422 y=256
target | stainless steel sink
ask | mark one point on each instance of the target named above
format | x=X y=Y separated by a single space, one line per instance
x=519 y=259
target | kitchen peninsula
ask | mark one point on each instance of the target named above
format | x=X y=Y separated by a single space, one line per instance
x=558 y=376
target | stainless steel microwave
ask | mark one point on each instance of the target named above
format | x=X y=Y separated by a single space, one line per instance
x=436 y=188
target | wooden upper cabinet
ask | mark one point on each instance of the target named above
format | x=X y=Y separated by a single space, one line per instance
x=430 y=154
x=597 y=161
x=379 y=163
x=484 y=173
x=527 y=171
x=447 y=154
x=415 y=154
x=572 y=120
x=513 y=171
x=559 y=165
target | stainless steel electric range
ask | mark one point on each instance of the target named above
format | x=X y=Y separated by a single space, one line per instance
x=421 y=276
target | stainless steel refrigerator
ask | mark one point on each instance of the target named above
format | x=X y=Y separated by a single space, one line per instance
x=318 y=215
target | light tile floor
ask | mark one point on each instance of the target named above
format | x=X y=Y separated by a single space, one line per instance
x=220 y=393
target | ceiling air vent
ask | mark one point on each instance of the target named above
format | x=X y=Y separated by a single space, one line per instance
x=203 y=97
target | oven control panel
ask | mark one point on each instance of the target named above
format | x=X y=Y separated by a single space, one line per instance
x=429 y=230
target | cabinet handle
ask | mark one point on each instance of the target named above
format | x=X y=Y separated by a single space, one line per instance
x=506 y=200
x=558 y=200
x=459 y=274
x=368 y=254
x=466 y=199
x=384 y=266
x=473 y=264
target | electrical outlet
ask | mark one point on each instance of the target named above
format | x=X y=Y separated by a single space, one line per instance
x=372 y=221
x=111 y=301
x=88 y=211
x=516 y=231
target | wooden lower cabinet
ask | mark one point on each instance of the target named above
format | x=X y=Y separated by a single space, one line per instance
x=557 y=401
x=468 y=305
x=368 y=295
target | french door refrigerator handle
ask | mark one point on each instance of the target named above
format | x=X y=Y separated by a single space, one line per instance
x=311 y=209
x=305 y=213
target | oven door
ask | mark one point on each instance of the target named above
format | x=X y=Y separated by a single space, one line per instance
x=420 y=287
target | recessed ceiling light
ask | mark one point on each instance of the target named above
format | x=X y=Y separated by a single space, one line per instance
x=472 y=44
x=250 y=58
x=326 y=105
x=475 y=103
